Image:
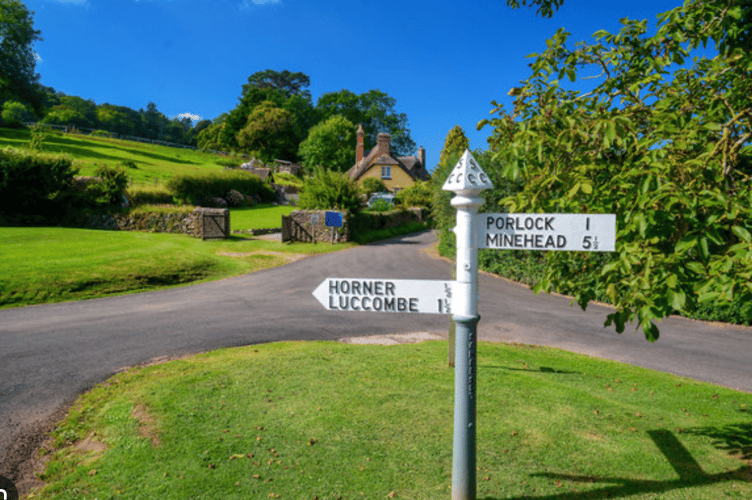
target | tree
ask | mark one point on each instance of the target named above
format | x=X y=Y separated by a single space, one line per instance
x=662 y=140
x=456 y=142
x=289 y=83
x=268 y=133
x=17 y=63
x=375 y=111
x=118 y=119
x=155 y=123
x=260 y=88
x=14 y=113
x=329 y=144
x=209 y=137
x=73 y=110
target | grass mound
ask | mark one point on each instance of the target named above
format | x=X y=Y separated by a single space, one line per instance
x=327 y=420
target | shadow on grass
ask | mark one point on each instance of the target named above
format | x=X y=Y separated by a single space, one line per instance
x=690 y=473
x=542 y=369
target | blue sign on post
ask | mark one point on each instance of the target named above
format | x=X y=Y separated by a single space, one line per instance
x=334 y=219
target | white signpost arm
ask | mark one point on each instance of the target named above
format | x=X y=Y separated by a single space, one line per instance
x=467 y=180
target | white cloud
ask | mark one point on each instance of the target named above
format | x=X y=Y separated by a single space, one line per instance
x=194 y=118
x=247 y=4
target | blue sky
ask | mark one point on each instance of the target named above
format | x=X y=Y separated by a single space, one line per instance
x=442 y=61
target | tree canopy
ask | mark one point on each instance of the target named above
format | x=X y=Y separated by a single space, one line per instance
x=17 y=77
x=456 y=142
x=330 y=144
x=375 y=110
x=663 y=140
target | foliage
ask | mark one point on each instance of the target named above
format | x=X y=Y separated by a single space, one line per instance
x=17 y=63
x=283 y=178
x=375 y=111
x=268 y=132
x=662 y=142
x=195 y=188
x=371 y=185
x=329 y=144
x=456 y=142
x=15 y=113
x=417 y=195
x=31 y=182
x=111 y=186
x=380 y=205
x=209 y=137
x=38 y=134
x=286 y=81
x=546 y=8
x=327 y=189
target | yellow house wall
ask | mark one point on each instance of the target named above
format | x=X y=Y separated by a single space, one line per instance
x=400 y=179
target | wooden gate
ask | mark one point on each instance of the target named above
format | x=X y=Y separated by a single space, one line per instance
x=213 y=223
x=293 y=231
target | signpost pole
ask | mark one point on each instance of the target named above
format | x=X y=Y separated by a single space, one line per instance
x=467 y=180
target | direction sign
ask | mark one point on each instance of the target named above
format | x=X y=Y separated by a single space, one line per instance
x=385 y=295
x=574 y=232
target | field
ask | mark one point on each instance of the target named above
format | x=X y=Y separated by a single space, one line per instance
x=333 y=421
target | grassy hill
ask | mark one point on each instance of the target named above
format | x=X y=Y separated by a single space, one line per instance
x=153 y=163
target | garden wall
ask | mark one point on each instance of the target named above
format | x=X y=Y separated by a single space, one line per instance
x=186 y=223
x=310 y=225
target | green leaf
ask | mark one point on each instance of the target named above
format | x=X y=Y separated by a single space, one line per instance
x=742 y=233
x=650 y=330
x=677 y=299
x=695 y=267
x=574 y=190
x=686 y=243
x=587 y=188
x=609 y=267
x=671 y=281
x=571 y=74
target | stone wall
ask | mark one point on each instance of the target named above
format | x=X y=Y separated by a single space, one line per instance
x=310 y=225
x=148 y=222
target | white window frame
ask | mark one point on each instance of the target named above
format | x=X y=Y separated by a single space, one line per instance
x=386 y=172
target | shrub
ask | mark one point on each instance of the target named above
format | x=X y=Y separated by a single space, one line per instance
x=380 y=205
x=197 y=187
x=328 y=189
x=417 y=195
x=234 y=198
x=372 y=185
x=150 y=195
x=32 y=183
x=38 y=134
x=109 y=190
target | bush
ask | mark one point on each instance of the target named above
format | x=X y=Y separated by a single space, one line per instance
x=32 y=183
x=372 y=185
x=329 y=190
x=417 y=195
x=193 y=189
x=150 y=195
x=380 y=205
x=38 y=134
x=109 y=190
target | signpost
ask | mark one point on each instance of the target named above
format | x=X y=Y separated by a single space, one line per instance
x=385 y=295
x=580 y=232
x=333 y=219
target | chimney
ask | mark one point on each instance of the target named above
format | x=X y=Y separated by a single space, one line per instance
x=422 y=157
x=360 y=145
x=384 y=140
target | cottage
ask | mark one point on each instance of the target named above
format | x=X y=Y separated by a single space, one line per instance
x=396 y=172
x=287 y=167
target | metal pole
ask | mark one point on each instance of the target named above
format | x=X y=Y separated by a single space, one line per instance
x=467 y=180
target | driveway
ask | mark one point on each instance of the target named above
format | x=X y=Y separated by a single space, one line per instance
x=51 y=353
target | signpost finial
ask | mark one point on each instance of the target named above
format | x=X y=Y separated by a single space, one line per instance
x=467 y=176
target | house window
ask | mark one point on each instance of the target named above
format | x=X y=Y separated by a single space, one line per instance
x=386 y=172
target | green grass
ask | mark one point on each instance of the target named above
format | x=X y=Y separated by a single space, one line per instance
x=42 y=265
x=327 y=420
x=154 y=163
x=261 y=216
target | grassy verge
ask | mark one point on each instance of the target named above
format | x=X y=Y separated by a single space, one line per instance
x=326 y=420
x=41 y=265
x=384 y=234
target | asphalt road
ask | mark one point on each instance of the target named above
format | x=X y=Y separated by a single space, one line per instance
x=52 y=353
